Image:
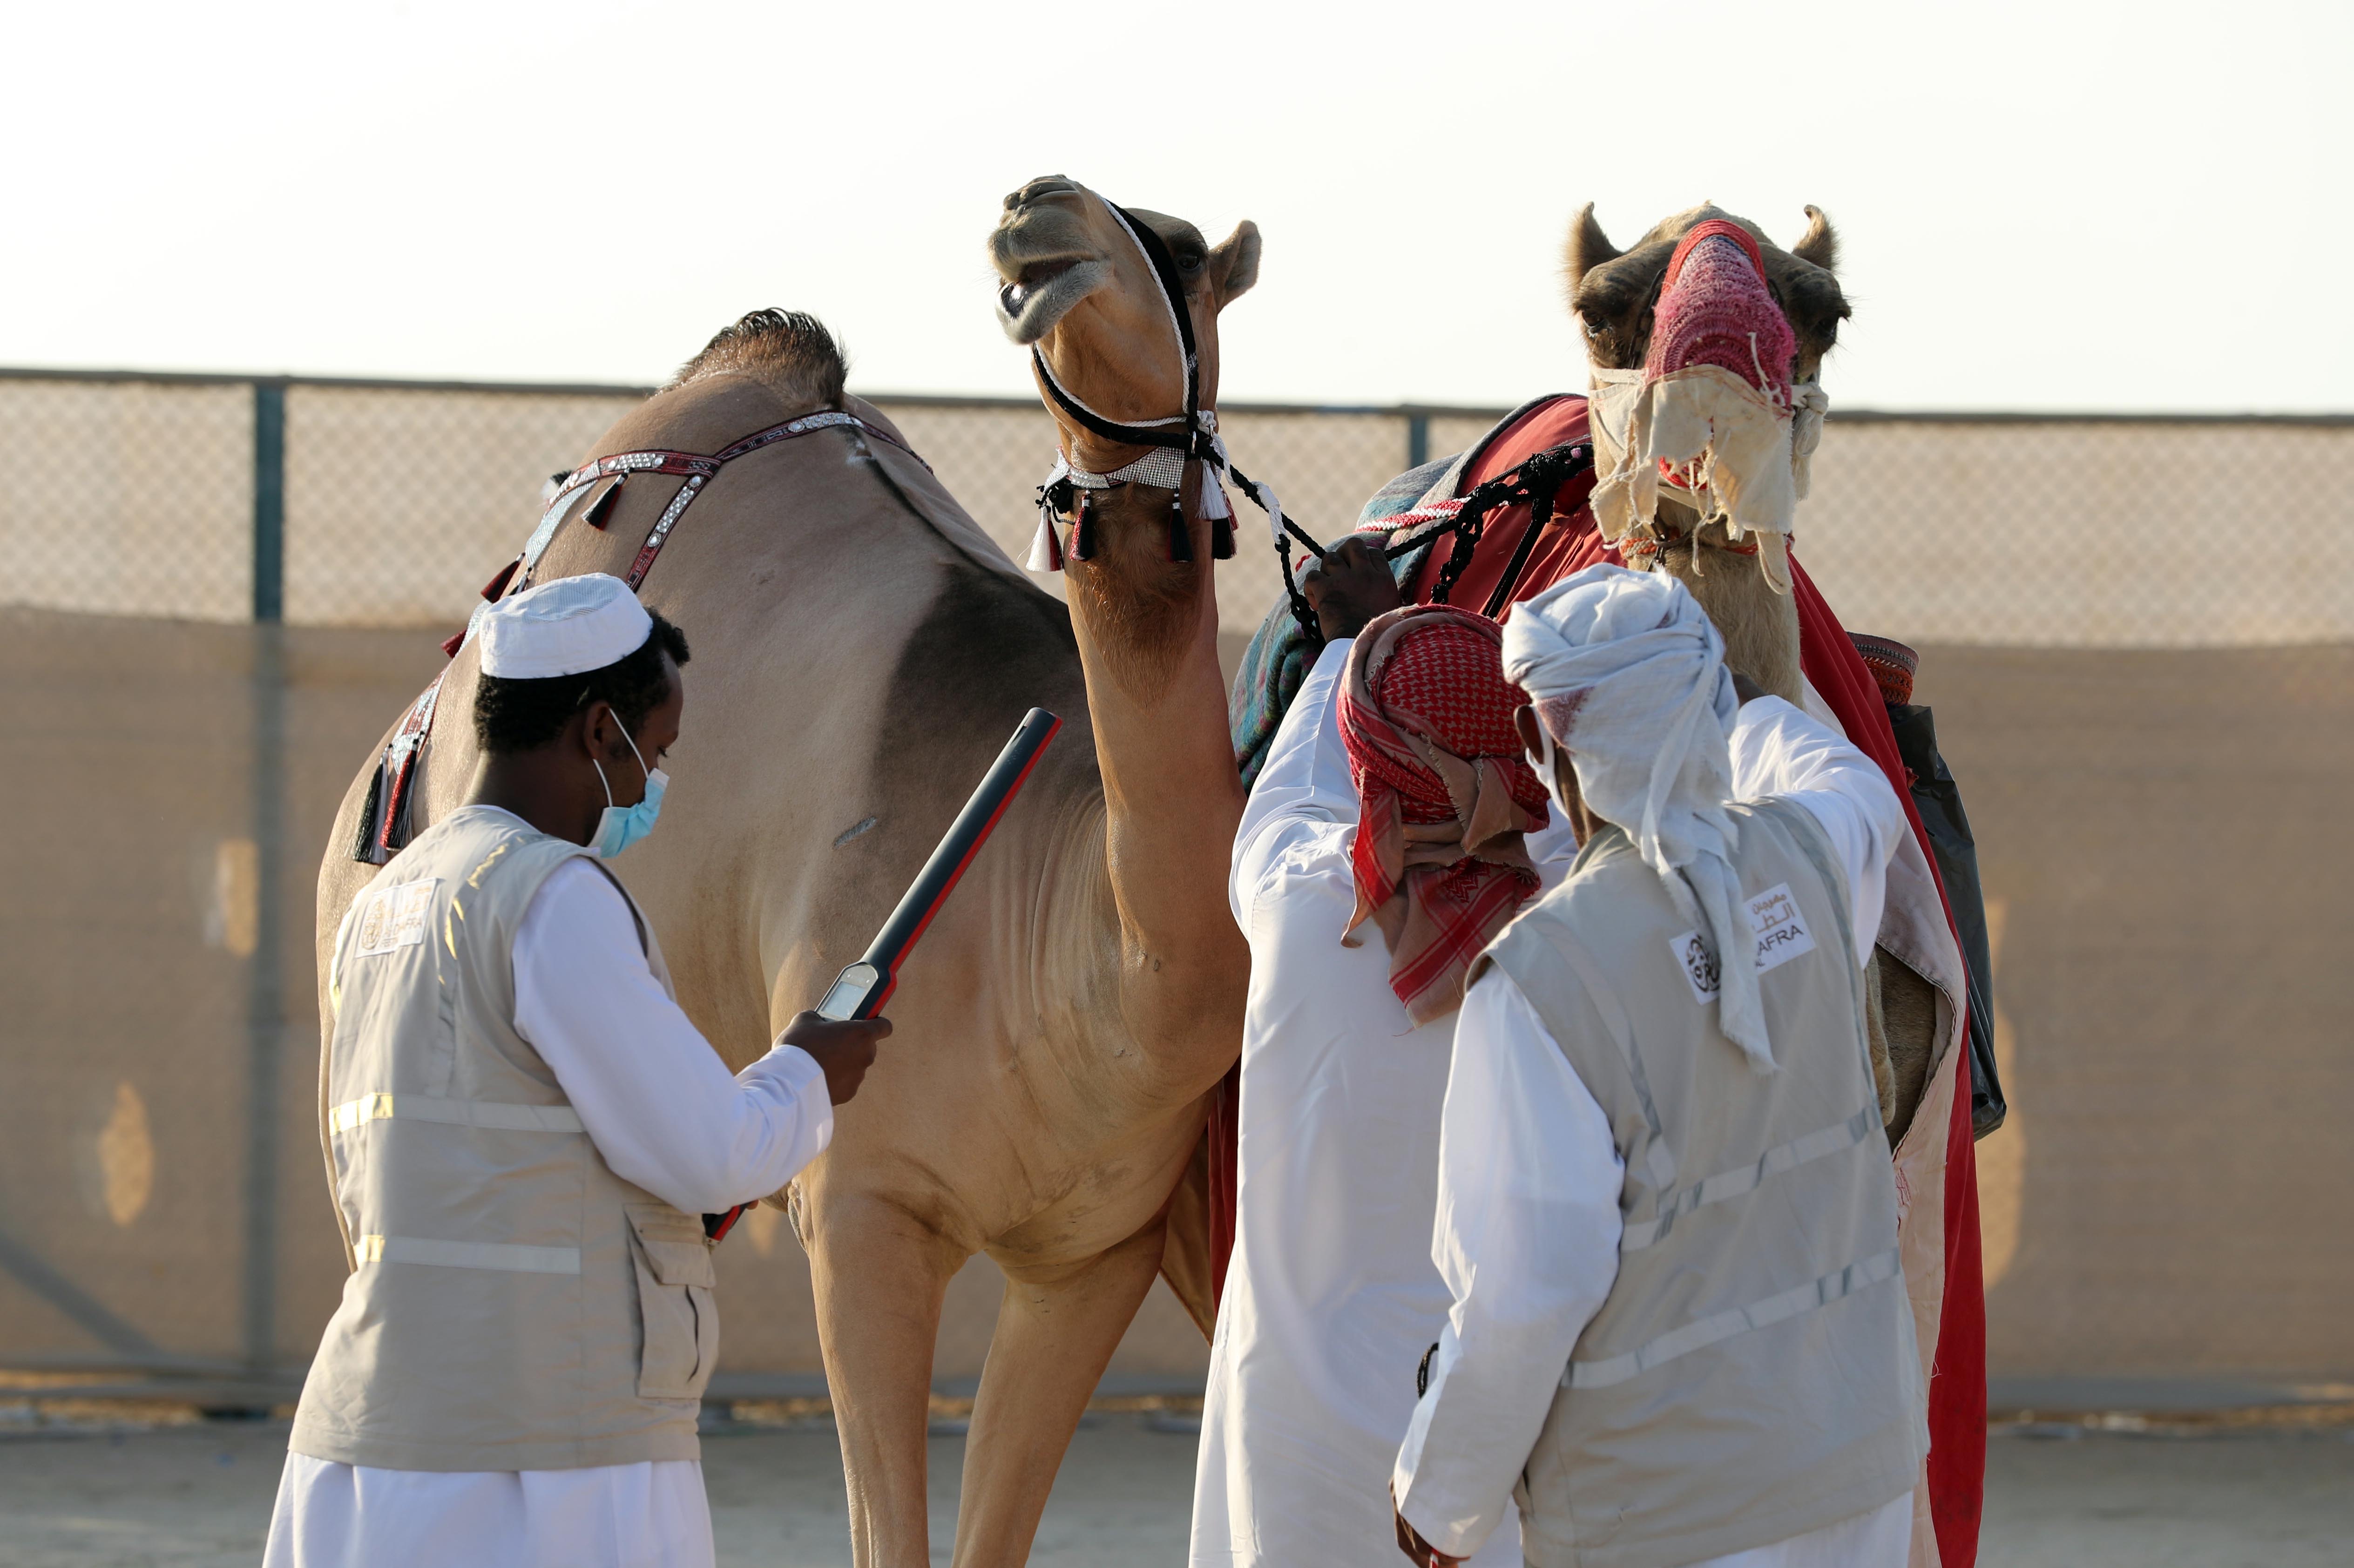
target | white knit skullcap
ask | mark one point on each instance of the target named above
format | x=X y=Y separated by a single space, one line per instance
x=568 y=627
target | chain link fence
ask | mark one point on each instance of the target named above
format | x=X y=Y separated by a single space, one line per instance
x=397 y=501
x=223 y=589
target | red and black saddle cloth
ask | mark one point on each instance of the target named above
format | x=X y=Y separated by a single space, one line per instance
x=385 y=824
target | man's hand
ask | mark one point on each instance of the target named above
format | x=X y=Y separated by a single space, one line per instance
x=1350 y=586
x=1420 y=1553
x=845 y=1049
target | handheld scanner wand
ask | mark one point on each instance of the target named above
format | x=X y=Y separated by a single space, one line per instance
x=862 y=989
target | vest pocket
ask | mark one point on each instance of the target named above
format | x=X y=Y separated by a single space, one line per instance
x=675 y=1302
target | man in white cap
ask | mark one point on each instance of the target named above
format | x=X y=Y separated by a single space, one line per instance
x=1666 y=1210
x=523 y=1130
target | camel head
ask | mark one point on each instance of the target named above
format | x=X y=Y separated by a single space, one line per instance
x=1613 y=292
x=1716 y=337
x=1077 y=286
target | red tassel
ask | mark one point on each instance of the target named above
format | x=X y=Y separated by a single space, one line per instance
x=1083 y=533
x=450 y=645
x=498 y=584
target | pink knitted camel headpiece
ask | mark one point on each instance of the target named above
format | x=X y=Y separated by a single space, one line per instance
x=1715 y=309
x=1710 y=412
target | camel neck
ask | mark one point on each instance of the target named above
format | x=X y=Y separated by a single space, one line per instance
x=1147 y=630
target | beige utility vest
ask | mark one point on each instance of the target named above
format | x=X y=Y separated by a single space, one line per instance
x=513 y=1304
x=1752 y=1374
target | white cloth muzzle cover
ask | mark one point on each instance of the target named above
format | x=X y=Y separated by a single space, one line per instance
x=1735 y=455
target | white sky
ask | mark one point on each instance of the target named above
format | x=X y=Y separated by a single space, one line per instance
x=2054 y=205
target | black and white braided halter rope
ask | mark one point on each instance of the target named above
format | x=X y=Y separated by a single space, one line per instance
x=1193 y=434
x=1536 y=481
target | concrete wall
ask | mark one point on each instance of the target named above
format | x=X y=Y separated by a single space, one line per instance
x=2172 y=1195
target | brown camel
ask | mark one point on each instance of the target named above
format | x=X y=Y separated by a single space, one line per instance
x=862 y=651
x=1612 y=294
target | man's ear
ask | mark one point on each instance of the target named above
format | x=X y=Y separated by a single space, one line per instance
x=601 y=728
x=1525 y=724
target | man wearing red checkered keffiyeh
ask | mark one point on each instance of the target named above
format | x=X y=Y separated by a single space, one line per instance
x=1394 y=794
x=1443 y=796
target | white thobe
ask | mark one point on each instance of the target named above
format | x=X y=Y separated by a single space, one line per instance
x=664 y=1113
x=1528 y=1184
x=1332 y=1297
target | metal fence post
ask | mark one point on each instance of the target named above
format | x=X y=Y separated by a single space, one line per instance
x=265 y=974
x=269 y=501
x=1417 y=439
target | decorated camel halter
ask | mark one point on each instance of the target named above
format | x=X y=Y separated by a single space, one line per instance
x=1714 y=416
x=384 y=820
x=1193 y=434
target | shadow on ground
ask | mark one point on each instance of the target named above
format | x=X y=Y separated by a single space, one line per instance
x=199 y=1497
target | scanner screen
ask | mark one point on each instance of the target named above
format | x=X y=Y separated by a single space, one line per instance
x=842 y=1001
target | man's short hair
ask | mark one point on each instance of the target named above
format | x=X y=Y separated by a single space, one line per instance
x=513 y=715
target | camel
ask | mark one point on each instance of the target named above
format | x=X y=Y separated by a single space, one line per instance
x=860 y=652
x=1916 y=984
x=1611 y=293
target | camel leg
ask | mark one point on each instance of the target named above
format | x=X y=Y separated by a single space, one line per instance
x=1909 y=1020
x=879 y=1277
x=1054 y=1337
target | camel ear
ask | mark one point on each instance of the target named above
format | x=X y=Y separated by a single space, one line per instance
x=1588 y=246
x=1236 y=263
x=1819 y=244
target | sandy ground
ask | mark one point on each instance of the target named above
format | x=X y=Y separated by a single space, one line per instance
x=201 y=1494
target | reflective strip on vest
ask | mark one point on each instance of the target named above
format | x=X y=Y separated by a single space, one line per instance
x=1726 y=1184
x=471 y=1255
x=1720 y=1326
x=491 y=1114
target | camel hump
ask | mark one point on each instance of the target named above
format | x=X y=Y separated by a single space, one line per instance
x=791 y=356
x=790 y=352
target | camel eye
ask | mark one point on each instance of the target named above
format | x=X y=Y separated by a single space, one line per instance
x=1594 y=330
x=1189 y=258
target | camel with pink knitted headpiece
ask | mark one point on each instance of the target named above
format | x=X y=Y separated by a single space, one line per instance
x=1706 y=343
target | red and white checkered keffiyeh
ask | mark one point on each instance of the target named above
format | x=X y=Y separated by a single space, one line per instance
x=1443 y=796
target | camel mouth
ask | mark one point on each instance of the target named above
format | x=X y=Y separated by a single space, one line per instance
x=1043 y=291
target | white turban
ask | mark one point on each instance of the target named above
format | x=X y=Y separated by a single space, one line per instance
x=1627 y=675
x=568 y=627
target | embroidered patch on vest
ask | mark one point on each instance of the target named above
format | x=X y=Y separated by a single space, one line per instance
x=395 y=918
x=1774 y=920
x=1698 y=964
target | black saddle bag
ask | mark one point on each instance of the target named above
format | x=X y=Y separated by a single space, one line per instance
x=1939 y=800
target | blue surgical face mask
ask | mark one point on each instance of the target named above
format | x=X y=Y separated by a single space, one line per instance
x=622 y=826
